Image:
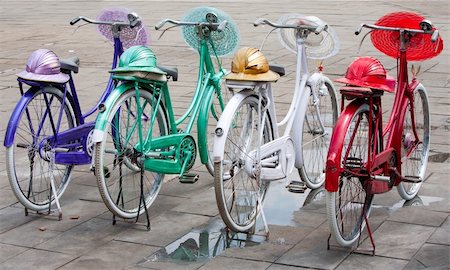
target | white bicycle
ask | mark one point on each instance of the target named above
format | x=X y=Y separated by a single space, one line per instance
x=249 y=149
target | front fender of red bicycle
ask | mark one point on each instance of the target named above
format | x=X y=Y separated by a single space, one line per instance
x=333 y=167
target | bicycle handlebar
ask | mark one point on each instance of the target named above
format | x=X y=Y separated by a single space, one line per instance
x=220 y=26
x=315 y=29
x=133 y=21
x=434 y=33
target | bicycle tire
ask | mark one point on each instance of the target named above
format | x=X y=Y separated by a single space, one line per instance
x=350 y=205
x=37 y=195
x=116 y=157
x=230 y=178
x=315 y=142
x=414 y=163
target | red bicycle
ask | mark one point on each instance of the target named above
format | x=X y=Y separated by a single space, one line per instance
x=364 y=159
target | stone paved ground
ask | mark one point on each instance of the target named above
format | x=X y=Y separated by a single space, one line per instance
x=409 y=235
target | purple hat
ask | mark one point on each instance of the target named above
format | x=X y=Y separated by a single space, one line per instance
x=43 y=65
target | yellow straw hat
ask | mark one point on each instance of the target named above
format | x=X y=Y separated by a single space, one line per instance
x=250 y=64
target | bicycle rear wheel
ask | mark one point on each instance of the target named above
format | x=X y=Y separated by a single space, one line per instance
x=117 y=161
x=414 y=150
x=28 y=161
x=320 y=117
x=239 y=195
x=348 y=207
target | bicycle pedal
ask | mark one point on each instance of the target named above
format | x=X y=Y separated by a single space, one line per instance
x=188 y=178
x=296 y=187
x=412 y=179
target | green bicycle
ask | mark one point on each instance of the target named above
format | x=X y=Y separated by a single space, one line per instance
x=137 y=138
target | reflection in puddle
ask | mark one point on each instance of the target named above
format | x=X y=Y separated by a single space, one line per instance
x=202 y=244
x=416 y=201
x=280 y=204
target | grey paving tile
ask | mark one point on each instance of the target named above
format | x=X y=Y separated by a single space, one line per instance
x=27 y=235
x=12 y=217
x=9 y=251
x=83 y=238
x=431 y=256
x=416 y=215
x=358 y=261
x=398 y=240
x=284 y=267
x=440 y=236
x=223 y=263
x=203 y=203
x=165 y=228
x=112 y=255
x=312 y=252
x=38 y=259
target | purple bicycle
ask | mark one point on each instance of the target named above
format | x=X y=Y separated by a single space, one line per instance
x=47 y=133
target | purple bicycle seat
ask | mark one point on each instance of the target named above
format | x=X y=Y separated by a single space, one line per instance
x=43 y=65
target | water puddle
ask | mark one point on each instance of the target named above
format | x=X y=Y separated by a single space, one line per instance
x=416 y=201
x=202 y=244
x=280 y=204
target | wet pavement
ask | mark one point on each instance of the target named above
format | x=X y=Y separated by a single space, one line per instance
x=187 y=232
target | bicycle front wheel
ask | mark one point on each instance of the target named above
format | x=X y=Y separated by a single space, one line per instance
x=414 y=150
x=28 y=158
x=240 y=193
x=126 y=188
x=321 y=115
x=348 y=207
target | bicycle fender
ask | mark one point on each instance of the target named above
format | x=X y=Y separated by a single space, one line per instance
x=297 y=129
x=224 y=123
x=105 y=109
x=202 y=125
x=333 y=168
x=15 y=116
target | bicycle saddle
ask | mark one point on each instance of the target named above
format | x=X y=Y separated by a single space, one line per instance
x=70 y=64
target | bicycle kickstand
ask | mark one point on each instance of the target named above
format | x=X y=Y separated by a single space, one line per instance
x=142 y=199
x=52 y=185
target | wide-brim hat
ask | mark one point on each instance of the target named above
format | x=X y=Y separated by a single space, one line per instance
x=138 y=59
x=268 y=76
x=250 y=64
x=43 y=65
x=368 y=72
x=420 y=46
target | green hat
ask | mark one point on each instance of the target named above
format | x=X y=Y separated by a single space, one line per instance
x=138 y=58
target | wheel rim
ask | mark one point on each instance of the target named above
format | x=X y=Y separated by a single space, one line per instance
x=415 y=155
x=351 y=203
x=316 y=140
x=28 y=171
x=242 y=195
x=119 y=162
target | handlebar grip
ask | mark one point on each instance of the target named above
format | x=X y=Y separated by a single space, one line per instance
x=320 y=29
x=258 y=22
x=134 y=20
x=434 y=36
x=160 y=24
x=74 y=21
x=358 y=30
x=222 y=26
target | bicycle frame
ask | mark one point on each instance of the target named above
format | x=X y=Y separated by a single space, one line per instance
x=377 y=163
x=208 y=84
x=68 y=142
x=305 y=84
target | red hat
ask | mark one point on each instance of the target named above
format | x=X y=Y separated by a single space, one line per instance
x=368 y=72
x=419 y=47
